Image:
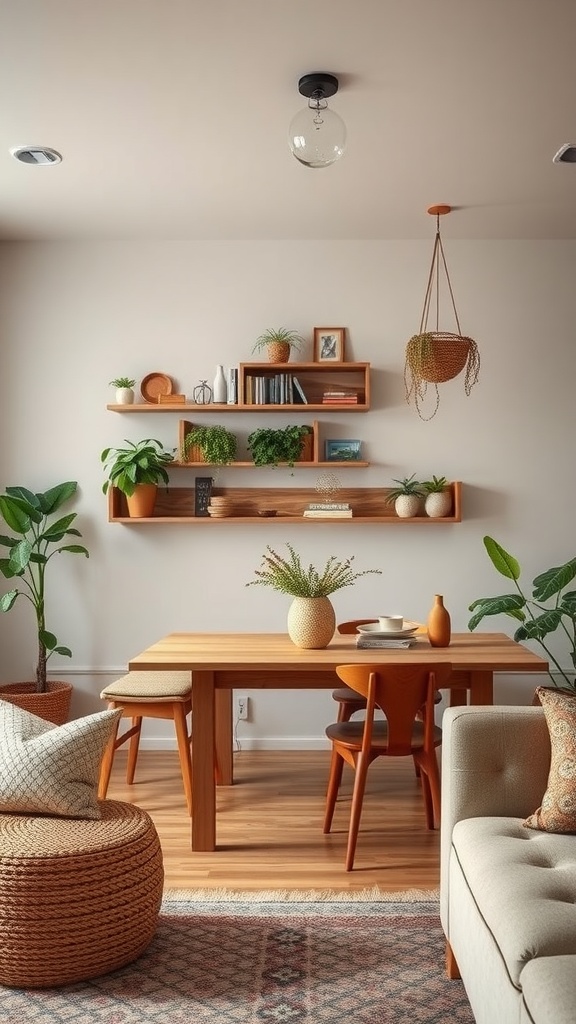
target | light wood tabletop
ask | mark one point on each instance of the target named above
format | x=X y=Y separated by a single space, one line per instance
x=222 y=662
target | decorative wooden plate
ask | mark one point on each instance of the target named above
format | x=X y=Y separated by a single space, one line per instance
x=153 y=385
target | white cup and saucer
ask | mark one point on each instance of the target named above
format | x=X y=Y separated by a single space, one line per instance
x=391 y=623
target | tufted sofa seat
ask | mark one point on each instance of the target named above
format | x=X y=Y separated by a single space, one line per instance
x=508 y=893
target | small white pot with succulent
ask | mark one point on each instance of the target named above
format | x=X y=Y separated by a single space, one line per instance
x=124 y=390
x=407 y=497
x=438 y=501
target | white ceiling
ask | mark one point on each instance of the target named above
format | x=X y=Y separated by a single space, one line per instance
x=172 y=118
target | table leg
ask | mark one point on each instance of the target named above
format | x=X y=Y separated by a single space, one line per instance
x=482 y=687
x=224 y=744
x=203 y=747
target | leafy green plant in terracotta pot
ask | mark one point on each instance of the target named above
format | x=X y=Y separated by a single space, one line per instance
x=272 y=446
x=279 y=343
x=136 y=471
x=438 y=500
x=551 y=607
x=214 y=444
x=37 y=535
x=311 y=618
x=407 y=497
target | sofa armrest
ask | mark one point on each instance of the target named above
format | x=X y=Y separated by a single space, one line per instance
x=495 y=763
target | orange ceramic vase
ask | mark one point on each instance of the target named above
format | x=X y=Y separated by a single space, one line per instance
x=439 y=623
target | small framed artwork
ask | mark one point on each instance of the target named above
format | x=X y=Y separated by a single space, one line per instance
x=328 y=344
x=342 y=451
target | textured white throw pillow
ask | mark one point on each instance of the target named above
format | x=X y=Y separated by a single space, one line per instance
x=51 y=769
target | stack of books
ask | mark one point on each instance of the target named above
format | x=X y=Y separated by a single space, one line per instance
x=328 y=510
x=340 y=398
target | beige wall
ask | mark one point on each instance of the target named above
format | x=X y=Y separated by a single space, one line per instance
x=72 y=317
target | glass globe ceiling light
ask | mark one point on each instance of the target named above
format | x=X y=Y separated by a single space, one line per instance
x=317 y=135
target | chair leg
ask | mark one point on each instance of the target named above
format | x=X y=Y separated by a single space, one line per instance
x=133 y=749
x=107 y=761
x=362 y=764
x=452 y=969
x=345 y=711
x=336 y=765
x=183 y=739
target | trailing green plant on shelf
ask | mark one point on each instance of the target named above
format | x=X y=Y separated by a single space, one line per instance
x=143 y=462
x=37 y=540
x=538 y=618
x=290 y=576
x=271 y=446
x=279 y=343
x=217 y=444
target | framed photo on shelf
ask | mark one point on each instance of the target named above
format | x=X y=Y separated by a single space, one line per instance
x=329 y=344
x=343 y=451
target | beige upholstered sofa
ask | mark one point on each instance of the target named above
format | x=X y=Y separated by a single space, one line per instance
x=508 y=893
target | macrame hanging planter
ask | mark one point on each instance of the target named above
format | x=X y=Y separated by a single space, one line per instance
x=435 y=356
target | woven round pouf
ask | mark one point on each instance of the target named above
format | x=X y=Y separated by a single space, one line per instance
x=78 y=898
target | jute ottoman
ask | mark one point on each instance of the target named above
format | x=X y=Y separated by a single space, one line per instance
x=78 y=898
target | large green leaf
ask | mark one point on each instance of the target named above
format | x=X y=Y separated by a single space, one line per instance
x=7 y=600
x=553 y=580
x=538 y=628
x=48 y=639
x=25 y=495
x=56 y=496
x=505 y=604
x=76 y=549
x=20 y=555
x=15 y=514
x=568 y=603
x=58 y=529
x=7 y=542
x=505 y=563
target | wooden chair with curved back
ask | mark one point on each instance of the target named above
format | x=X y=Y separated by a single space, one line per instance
x=348 y=700
x=405 y=694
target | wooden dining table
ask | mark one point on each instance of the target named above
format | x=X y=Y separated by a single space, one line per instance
x=222 y=662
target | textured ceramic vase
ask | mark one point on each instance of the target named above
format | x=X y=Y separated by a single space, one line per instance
x=407 y=506
x=438 y=504
x=124 y=396
x=311 y=622
x=220 y=388
x=439 y=628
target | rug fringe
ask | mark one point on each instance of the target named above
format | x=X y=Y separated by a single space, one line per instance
x=372 y=895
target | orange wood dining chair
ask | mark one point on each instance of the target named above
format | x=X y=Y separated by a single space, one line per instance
x=405 y=694
x=348 y=700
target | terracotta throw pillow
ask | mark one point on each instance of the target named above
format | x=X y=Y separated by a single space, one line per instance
x=51 y=769
x=558 y=810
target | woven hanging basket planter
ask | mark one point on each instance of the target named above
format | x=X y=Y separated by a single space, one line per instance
x=435 y=356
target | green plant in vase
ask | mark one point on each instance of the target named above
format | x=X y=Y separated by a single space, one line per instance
x=278 y=343
x=217 y=444
x=539 y=619
x=272 y=446
x=407 y=497
x=438 y=500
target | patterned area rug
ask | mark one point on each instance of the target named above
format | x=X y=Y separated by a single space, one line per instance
x=270 y=958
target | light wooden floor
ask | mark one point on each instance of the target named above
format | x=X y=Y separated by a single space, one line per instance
x=269 y=825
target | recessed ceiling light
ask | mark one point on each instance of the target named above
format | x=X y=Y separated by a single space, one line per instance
x=36 y=155
x=566 y=154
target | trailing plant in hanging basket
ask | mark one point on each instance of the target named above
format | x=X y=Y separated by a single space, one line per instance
x=435 y=356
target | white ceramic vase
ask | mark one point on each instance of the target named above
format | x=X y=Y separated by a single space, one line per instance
x=407 y=506
x=311 y=622
x=124 y=396
x=220 y=388
x=438 y=504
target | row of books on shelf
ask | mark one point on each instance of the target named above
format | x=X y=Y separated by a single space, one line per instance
x=340 y=398
x=279 y=389
x=328 y=510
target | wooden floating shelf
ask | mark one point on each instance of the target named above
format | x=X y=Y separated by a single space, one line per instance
x=176 y=505
x=309 y=458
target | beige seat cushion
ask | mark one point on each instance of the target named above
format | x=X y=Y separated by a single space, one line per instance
x=149 y=686
x=51 y=769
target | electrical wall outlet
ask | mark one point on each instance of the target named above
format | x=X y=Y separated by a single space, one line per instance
x=241 y=708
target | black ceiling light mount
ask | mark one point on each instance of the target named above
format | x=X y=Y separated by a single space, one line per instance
x=566 y=154
x=317 y=135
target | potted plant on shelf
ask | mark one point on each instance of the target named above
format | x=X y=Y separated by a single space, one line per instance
x=311 y=618
x=538 y=618
x=438 y=501
x=272 y=446
x=407 y=497
x=136 y=471
x=279 y=343
x=214 y=444
x=124 y=392
x=37 y=537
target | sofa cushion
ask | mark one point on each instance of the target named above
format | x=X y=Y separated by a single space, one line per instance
x=549 y=990
x=524 y=885
x=48 y=769
x=557 y=812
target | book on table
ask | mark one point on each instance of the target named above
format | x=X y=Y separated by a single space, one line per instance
x=327 y=513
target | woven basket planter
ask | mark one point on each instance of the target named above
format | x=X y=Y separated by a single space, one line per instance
x=438 y=356
x=77 y=898
x=53 y=706
x=311 y=622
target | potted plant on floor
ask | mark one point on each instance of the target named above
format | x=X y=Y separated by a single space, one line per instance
x=311 y=618
x=272 y=446
x=37 y=537
x=279 y=343
x=538 y=618
x=136 y=471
